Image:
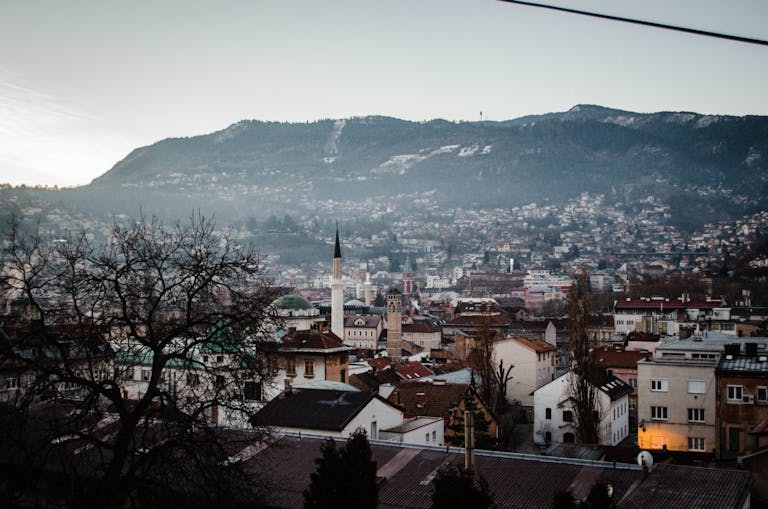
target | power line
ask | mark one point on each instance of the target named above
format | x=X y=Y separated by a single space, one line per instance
x=694 y=31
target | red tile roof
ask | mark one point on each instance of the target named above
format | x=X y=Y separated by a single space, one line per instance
x=412 y=369
x=665 y=304
x=312 y=340
x=536 y=344
x=607 y=357
x=429 y=399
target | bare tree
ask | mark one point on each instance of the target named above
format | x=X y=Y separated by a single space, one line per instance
x=130 y=353
x=583 y=390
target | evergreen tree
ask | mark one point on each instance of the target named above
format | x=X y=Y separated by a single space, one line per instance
x=456 y=488
x=345 y=477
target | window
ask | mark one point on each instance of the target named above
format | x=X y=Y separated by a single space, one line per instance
x=633 y=383
x=659 y=385
x=734 y=393
x=252 y=391
x=291 y=367
x=343 y=376
x=632 y=402
x=659 y=413
x=695 y=415
x=193 y=380
x=695 y=443
x=762 y=394
x=14 y=382
x=145 y=375
x=220 y=382
x=129 y=373
x=309 y=368
x=548 y=413
x=434 y=436
x=697 y=387
x=548 y=436
x=219 y=358
x=567 y=416
x=427 y=437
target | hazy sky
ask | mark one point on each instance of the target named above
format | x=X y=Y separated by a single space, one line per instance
x=84 y=82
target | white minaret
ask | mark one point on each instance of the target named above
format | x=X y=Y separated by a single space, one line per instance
x=337 y=292
x=367 y=288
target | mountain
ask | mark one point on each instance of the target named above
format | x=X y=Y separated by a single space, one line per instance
x=705 y=166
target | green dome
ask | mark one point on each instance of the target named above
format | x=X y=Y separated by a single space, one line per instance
x=292 y=301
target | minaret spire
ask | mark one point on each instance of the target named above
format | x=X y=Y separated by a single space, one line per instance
x=337 y=247
x=337 y=291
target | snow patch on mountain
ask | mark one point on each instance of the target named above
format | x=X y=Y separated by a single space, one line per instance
x=399 y=164
x=331 y=146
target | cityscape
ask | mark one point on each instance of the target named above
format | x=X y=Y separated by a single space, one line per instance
x=456 y=255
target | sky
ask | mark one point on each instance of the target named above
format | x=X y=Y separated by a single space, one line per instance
x=82 y=83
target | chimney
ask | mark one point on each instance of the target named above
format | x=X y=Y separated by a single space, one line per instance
x=469 y=439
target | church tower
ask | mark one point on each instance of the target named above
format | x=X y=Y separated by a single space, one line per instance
x=337 y=292
x=394 y=323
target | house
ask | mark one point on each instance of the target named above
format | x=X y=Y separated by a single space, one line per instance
x=306 y=355
x=63 y=350
x=554 y=414
x=417 y=431
x=422 y=333
x=437 y=398
x=363 y=331
x=533 y=365
x=657 y=315
x=328 y=412
x=742 y=408
x=621 y=363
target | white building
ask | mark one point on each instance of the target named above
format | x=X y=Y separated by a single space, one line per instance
x=418 y=431
x=331 y=413
x=533 y=364
x=554 y=414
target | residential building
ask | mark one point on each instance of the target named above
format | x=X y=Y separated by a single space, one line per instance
x=554 y=413
x=327 y=412
x=621 y=363
x=363 y=331
x=533 y=365
x=742 y=383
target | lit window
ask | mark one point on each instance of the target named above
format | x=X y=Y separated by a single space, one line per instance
x=309 y=368
x=695 y=443
x=659 y=413
x=659 y=385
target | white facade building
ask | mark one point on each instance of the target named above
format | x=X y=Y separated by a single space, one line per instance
x=554 y=414
x=533 y=364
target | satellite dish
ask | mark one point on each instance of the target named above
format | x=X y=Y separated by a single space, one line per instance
x=645 y=459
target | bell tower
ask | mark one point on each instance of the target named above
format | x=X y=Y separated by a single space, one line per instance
x=394 y=323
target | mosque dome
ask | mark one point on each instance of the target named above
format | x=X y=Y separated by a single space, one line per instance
x=292 y=302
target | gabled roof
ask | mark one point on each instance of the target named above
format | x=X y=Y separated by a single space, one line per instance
x=479 y=321
x=428 y=398
x=371 y=321
x=422 y=326
x=537 y=345
x=312 y=341
x=669 y=304
x=607 y=357
x=314 y=409
x=412 y=369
